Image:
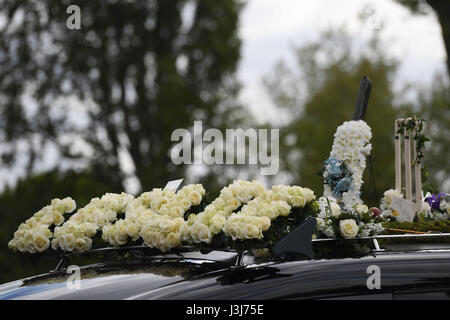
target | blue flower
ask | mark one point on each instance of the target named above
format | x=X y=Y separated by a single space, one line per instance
x=342 y=186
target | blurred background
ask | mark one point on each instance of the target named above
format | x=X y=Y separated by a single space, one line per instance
x=91 y=110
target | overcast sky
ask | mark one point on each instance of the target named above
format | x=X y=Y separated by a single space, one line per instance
x=271 y=28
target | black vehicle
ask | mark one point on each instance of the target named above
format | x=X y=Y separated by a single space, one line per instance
x=404 y=271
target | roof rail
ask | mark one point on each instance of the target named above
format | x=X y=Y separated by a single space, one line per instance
x=403 y=247
x=392 y=236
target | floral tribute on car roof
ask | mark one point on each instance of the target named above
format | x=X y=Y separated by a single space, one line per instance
x=342 y=213
x=245 y=215
x=343 y=170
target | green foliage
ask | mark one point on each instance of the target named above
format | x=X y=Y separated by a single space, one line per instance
x=421 y=225
x=322 y=95
x=411 y=124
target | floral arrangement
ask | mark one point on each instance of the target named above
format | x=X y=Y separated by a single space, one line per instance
x=344 y=169
x=386 y=201
x=436 y=206
x=163 y=219
x=337 y=176
x=78 y=231
x=334 y=220
x=34 y=234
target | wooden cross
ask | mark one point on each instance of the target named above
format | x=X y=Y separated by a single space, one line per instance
x=362 y=99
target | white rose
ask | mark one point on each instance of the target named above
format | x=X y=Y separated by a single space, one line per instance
x=133 y=230
x=69 y=242
x=283 y=208
x=202 y=232
x=58 y=219
x=121 y=238
x=264 y=223
x=173 y=239
x=176 y=212
x=361 y=208
x=166 y=225
x=250 y=231
x=348 y=227
x=335 y=209
x=298 y=201
x=308 y=194
x=69 y=204
x=185 y=234
x=233 y=203
x=392 y=193
x=244 y=195
x=217 y=223
x=185 y=203
x=195 y=197
x=41 y=243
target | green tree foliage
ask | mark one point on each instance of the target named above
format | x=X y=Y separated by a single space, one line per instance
x=134 y=72
x=321 y=96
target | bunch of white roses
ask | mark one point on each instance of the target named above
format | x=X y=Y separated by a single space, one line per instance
x=157 y=216
x=256 y=216
x=34 y=234
x=334 y=220
x=76 y=234
x=203 y=226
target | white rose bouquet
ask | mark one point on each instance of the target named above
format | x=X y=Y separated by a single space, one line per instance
x=34 y=235
x=244 y=215
x=334 y=220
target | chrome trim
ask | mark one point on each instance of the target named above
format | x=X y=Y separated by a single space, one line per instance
x=390 y=236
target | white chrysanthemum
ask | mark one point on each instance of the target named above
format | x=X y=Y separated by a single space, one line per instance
x=351 y=145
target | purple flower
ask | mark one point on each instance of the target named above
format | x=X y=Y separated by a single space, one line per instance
x=435 y=200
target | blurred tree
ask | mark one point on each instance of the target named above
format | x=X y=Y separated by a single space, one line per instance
x=116 y=88
x=442 y=10
x=322 y=95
